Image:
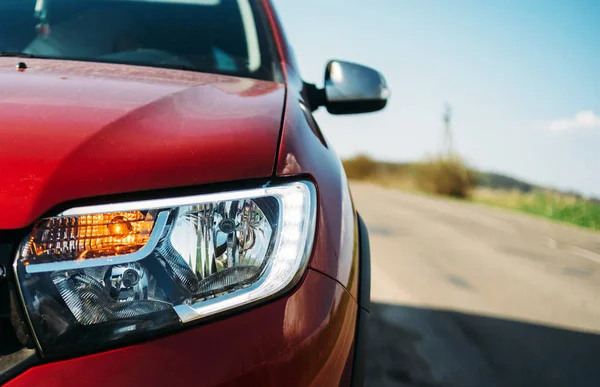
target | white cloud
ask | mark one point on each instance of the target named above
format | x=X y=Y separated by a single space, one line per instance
x=584 y=119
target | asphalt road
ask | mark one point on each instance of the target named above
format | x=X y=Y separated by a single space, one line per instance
x=466 y=295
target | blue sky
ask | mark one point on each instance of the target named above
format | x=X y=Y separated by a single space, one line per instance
x=522 y=77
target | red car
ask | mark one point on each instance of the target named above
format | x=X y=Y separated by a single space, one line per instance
x=170 y=212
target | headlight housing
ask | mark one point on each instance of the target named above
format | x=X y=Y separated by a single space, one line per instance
x=105 y=272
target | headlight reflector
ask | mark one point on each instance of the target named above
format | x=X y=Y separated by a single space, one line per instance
x=120 y=269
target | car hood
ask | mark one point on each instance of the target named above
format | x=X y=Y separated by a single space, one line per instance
x=72 y=130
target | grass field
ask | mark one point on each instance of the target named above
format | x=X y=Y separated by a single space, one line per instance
x=450 y=177
x=552 y=205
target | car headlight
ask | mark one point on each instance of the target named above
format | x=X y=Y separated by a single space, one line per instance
x=103 y=272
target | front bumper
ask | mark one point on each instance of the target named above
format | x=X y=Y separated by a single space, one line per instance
x=304 y=338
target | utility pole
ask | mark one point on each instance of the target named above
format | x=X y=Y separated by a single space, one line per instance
x=448 y=130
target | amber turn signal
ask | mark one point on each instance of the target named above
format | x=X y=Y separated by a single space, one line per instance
x=88 y=236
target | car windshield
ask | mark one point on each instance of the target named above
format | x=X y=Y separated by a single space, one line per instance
x=214 y=36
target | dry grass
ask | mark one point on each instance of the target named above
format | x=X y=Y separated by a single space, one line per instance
x=450 y=176
x=445 y=175
x=361 y=167
x=440 y=175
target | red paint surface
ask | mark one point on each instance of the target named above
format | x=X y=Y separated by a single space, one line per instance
x=71 y=130
x=302 y=339
x=304 y=150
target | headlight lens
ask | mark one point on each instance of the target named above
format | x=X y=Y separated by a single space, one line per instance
x=108 y=271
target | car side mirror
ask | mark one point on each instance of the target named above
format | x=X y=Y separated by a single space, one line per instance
x=351 y=88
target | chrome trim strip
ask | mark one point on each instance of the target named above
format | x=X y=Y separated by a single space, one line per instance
x=159 y=226
x=167 y=203
x=186 y=313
